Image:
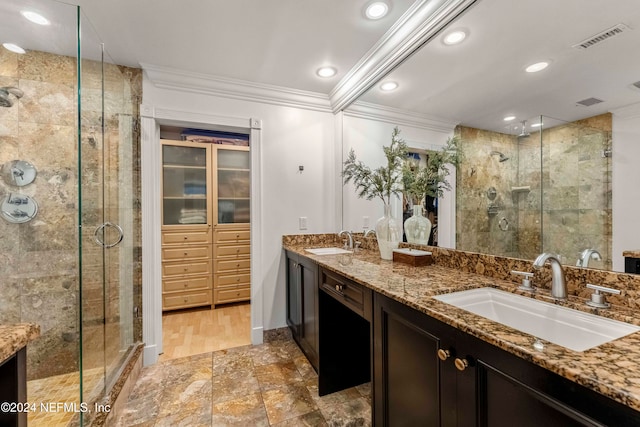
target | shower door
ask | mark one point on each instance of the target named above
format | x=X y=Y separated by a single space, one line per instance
x=108 y=213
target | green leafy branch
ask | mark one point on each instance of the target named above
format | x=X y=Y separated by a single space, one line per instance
x=383 y=181
x=431 y=180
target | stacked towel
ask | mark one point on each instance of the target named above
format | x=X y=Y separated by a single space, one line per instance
x=193 y=216
x=195 y=188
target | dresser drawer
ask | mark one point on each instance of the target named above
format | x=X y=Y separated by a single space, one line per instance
x=187 y=284
x=183 y=252
x=231 y=295
x=185 y=268
x=231 y=236
x=185 y=300
x=175 y=237
x=236 y=251
x=235 y=265
x=233 y=279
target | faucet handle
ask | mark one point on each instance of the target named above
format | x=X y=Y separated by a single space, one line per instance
x=526 y=280
x=597 y=299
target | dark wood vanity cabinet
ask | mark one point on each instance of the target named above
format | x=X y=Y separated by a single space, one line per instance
x=477 y=384
x=13 y=389
x=302 y=304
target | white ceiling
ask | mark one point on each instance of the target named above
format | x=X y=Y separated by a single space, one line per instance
x=277 y=42
x=283 y=42
x=482 y=80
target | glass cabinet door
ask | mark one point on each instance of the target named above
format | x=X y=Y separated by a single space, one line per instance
x=233 y=172
x=184 y=185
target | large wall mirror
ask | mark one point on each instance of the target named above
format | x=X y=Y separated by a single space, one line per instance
x=551 y=158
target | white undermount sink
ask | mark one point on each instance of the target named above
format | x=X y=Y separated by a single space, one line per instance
x=569 y=328
x=327 y=251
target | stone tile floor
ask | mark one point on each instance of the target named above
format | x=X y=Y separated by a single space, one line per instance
x=271 y=384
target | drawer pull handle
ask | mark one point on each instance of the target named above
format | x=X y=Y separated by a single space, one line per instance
x=238 y=265
x=186 y=284
x=340 y=288
x=461 y=364
x=237 y=236
x=186 y=253
x=185 y=237
x=444 y=354
x=238 y=279
x=186 y=299
x=185 y=269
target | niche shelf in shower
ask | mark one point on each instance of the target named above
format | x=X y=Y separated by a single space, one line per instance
x=520 y=190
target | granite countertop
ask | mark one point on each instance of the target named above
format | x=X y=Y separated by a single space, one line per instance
x=611 y=369
x=632 y=253
x=14 y=337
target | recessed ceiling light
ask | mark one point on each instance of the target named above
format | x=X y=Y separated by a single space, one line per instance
x=509 y=118
x=454 y=37
x=326 y=72
x=34 y=17
x=376 y=10
x=14 y=48
x=388 y=86
x=538 y=66
x=536 y=125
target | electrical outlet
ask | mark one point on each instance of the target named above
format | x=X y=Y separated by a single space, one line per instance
x=302 y=222
x=365 y=222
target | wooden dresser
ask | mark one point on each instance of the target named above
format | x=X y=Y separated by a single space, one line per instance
x=232 y=274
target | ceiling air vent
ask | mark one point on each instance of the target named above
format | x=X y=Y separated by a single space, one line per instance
x=602 y=36
x=589 y=102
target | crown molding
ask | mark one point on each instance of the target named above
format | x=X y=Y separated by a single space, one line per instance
x=420 y=23
x=627 y=112
x=396 y=116
x=206 y=84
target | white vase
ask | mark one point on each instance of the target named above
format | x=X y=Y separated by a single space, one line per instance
x=388 y=233
x=418 y=227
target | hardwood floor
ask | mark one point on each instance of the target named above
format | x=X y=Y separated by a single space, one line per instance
x=196 y=331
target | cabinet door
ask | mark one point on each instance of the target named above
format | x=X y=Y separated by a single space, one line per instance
x=233 y=185
x=412 y=387
x=185 y=188
x=500 y=389
x=294 y=296
x=309 y=335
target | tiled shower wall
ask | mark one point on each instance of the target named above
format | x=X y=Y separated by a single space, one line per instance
x=573 y=192
x=39 y=269
x=577 y=190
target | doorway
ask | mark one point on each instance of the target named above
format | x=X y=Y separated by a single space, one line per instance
x=205 y=244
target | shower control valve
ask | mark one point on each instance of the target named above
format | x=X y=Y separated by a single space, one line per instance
x=526 y=280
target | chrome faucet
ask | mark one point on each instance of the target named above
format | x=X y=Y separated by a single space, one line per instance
x=587 y=255
x=558 y=284
x=348 y=233
x=370 y=231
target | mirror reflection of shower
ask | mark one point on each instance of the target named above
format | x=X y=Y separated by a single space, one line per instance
x=6 y=98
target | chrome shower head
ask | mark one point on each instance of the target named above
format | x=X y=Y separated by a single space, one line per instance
x=6 y=100
x=502 y=158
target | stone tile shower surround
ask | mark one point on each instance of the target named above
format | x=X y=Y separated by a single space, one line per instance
x=567 y=207
x=499 y=267
x=39 y=259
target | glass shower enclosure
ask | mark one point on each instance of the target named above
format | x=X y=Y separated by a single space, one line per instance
x=70 y=254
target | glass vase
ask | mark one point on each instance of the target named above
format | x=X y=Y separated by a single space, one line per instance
x=418 y=227
x=388 y=233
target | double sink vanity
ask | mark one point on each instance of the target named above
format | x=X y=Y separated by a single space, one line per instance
x=445 y=346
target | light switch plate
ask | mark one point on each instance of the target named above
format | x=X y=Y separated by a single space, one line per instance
x=302 y=222
x=365 y=222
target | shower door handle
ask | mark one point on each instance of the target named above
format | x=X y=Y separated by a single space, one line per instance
x=96 y=235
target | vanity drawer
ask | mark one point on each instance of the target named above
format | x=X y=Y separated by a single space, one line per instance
x=232 y=265
x=186 y=300
x=172 y=253
x=231 y=295
x=185 y=268
x=187 y=284
x=231 y=236
x=353 y=295
x=178 y=237
x=235 y=251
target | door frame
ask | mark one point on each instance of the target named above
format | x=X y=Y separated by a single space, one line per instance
x=151 y=118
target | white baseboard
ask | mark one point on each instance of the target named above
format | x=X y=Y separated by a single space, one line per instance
x=256 y=335
x=150 y=355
